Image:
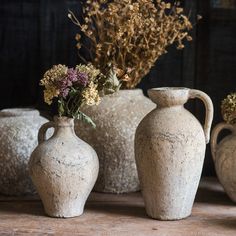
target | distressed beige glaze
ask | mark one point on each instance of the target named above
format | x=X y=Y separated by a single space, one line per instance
x=116 y=117
x=64 y=169
x=170 y=148
x=224 y=156
x=18 y=138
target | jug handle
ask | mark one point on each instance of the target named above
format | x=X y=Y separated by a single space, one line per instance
x=194 y=93
x=43 y=131
x=214 y=136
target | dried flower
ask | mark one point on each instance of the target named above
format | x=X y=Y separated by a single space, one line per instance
x=90 y=95
x=83 y=78
x=73 y=88
x=228 y=108
x=131 y=34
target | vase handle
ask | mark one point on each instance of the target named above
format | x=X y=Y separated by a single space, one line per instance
x=214 y=136
x=194 y=93
x=43 y=131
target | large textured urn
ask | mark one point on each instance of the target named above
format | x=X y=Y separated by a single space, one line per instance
x=224 y=156
x=170 y=148
x=18 y=138
x=64 y=169
x=116 y=118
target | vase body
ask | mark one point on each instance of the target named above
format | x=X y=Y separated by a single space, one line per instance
x=224 y=156
x=64 y=169
x=18 y=138
x=170 y=148
x=116 y=118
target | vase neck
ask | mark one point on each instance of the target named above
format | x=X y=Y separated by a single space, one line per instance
x=64 y=126
x=169 y=97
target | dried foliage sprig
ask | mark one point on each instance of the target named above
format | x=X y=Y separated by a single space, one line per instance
x=131 y=34
x=72 y=88
x=228 y=108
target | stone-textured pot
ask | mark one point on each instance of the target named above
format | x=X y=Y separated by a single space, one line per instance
x=170 y=148
x=116 y=118
x=64 y=169
x=18 y=138
x=224 y=156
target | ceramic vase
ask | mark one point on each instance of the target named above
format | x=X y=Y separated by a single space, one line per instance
x=64 y=169
x=116 y=118
x=18 y=138
x=224 y=156
x=170 y=148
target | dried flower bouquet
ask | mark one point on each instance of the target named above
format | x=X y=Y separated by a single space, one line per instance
x=130 y=35
x=228 y=108
x=73 y=88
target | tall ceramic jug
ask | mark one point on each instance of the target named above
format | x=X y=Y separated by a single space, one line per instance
x=224 y=156
x=170 y=148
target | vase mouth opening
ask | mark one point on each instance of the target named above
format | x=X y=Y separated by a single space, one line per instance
x=129 y=91
x=169 y=89
x=19 y=112
x=63 y=121
x=169 y=96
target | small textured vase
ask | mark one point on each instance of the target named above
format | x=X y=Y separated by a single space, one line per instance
x=116 y=118
x=18 y=138
x=64 y=169
x=224 y=156
x=169 y=149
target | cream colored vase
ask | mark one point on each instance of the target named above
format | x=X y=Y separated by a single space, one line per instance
x=170 y=148
x=116 y=118
x=64 y=169
x=224 y=156
x=18 y=138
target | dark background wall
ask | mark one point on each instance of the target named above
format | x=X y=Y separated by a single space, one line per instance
x=34 y=35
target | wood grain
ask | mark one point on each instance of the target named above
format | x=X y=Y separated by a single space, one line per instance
x=105 y=214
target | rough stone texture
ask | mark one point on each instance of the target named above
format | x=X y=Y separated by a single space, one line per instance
x=170 y=148
x=64 y=170
x=224 y=156
x=18 y=138
x=116 y=117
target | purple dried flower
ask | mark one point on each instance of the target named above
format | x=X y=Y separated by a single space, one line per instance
x=72 y=75
x=64 y=92
x=83 y=78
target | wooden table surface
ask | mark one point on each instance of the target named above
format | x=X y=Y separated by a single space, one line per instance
x=107 y=214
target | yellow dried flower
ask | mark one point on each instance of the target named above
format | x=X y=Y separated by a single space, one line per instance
x=90 y=95
x=134 y=34
x=50 y=92
x=50 y=78
x=56 y=73
x=90 y=70
x=228 y=108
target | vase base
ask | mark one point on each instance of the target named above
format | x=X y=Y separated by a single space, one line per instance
x=64 y=215
x=168 y=218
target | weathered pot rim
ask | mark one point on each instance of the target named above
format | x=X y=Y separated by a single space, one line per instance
x=127 y=92
x=19 y=112
x=169 y=96
x=169 y=89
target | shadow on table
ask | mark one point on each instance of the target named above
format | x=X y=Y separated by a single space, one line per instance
x=119 y=210
x=210 y=191
x=25 y=207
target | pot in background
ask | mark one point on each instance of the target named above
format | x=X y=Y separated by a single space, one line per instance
x=170 y=149
x=116 y=118
x=224 y=156
x=64 y=169
x=18 y=138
